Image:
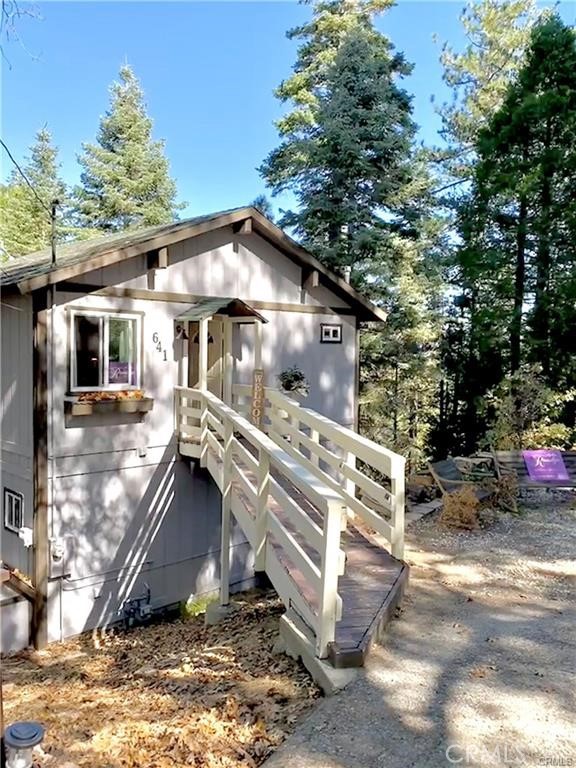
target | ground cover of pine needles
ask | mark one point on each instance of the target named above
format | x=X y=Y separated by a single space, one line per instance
x=171 y=694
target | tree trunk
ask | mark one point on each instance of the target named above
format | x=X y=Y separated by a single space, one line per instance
x=541 y=322
x=519 y=280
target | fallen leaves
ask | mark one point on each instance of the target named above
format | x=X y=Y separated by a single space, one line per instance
x=178 y=694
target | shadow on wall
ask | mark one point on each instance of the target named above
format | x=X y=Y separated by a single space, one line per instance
x=294 y=339
x=157 y=525
x=129 y=511
x=167 y=536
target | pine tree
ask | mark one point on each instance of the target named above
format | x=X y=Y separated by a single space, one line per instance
x=26 y=223
x=263 y=204
x=18 y=225
x=528 y=170
x=498 y=32
x=350 y=166
x=125 y=178
x=517 y=263
x=476 y=342
x=364 y=202
x=322 y=36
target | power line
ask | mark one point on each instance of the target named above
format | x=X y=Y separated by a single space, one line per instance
x=50 y=210
x=28 y=182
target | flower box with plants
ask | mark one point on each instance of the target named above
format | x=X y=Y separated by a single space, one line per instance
x=118 y=401
x=294 y=383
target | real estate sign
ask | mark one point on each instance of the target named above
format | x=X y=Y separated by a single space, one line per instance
x=545 y=466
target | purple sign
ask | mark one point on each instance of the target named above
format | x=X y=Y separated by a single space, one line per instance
x=545 y=466
x=121 y=373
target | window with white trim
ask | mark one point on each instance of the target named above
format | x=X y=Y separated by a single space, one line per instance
x=330 y=333
x=13 y=510
x=105 y=350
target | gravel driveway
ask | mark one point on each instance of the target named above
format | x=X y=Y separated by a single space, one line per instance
x=480 y=668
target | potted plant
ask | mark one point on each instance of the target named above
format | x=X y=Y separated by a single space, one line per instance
x=294 y=383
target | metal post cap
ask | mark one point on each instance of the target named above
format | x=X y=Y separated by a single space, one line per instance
x=23 y=735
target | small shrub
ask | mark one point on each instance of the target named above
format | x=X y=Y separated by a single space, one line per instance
x=461 y=509
x=524 y=412
x=507 y=492
x=196 y=606
x=550 y=435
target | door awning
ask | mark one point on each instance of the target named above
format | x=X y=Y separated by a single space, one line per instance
x=212 y=305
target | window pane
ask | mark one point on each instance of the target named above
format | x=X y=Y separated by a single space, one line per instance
x=13 y=510
x=87 y=330
x=10 y=510
x=122 y=351
x=17 y=506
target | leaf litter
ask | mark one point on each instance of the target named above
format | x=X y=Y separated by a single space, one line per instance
x=166 y=695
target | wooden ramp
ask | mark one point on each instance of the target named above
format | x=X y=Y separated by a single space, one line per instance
x=371 y=585
x=322 y=507
x=371 y=589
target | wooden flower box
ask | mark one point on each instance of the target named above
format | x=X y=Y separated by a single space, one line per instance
x=83 y=406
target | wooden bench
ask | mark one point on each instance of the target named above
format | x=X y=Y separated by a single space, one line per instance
x=450 y=479
x=512 y=462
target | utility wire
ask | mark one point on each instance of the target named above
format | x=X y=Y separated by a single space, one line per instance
x=26 y=179
x=50 y=209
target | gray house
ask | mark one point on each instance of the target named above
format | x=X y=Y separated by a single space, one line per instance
x=146 y=445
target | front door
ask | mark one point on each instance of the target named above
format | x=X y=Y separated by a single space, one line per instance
x=215 y=354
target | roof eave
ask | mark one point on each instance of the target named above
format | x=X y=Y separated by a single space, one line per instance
x=114 y=255
x=366 y=310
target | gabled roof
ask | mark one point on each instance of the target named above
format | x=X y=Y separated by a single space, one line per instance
x=34 y=271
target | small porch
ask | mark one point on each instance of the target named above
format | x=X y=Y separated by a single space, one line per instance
x=206 y=334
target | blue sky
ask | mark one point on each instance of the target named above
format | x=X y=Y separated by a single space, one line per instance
x=208 y=71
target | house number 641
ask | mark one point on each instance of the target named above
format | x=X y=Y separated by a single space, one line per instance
x=158 y=345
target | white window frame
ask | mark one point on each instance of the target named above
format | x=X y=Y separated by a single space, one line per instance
x=10 y=498
x=103 y=318
x=331 y=333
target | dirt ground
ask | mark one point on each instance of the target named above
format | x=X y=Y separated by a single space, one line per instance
x=480 y=667
x=177 y=694
x=478 y=670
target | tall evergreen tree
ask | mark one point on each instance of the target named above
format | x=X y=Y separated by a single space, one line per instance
x=26 y=223
x=349 y=167
x=475 y=342
x=125 y=179
x=517 y=264
x=321 y=38
x=364 y=202
x=528 y=169
x=498 y=32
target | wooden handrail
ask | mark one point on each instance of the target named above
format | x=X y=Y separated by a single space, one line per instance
x=218 y=425
x=342 y=448
x=365 y=449
x=296 y=472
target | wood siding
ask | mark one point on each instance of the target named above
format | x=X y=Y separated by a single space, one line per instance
x=16 y=420
x=126 y=508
